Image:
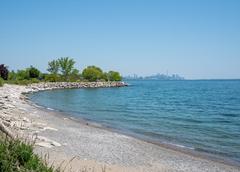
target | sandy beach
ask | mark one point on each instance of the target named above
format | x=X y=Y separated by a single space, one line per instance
x=83 y=146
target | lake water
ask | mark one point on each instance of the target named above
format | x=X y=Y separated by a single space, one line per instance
x=198 y=115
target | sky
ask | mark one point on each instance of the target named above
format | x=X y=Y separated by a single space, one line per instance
x=197 y=39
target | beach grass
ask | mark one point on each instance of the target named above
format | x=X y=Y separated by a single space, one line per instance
x=18 y=156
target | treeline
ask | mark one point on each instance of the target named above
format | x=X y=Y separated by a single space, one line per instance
x=59 y=70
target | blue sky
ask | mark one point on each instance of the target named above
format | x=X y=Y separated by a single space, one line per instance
x=196 y=39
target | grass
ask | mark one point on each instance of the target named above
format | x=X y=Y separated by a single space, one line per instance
x=18 y=156
x=1 y=82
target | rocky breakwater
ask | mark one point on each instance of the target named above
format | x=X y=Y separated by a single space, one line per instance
x=65 y=85
x=17 y=122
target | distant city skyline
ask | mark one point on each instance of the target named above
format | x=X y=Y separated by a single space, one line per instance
x=194 y=39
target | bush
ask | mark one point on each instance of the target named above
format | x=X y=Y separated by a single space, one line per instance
x=35 y=80
x=52 y=78
x=114 y=76
x=12 y=75
x=17 y=156
x=1 y=82
x=92 y=73
x=33 y=72
x=3 y=72
x=22 y=82
x=22 y=75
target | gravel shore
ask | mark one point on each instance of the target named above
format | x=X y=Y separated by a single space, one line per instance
x=86 y=146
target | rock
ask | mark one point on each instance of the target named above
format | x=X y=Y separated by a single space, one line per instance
x=50 y=128
x=44 y=144
x=51 y=142
x=26 y=119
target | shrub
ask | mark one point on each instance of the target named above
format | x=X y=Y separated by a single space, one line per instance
x=92 y=73
x=74 y=76
x=114 y=76
x=3 y=72
x=52 y=78
x=33 y=72
x=35 y=80
x=1 y=82
x=12 y=75
x=22 y=82
x=18 y=156
x=22 y=75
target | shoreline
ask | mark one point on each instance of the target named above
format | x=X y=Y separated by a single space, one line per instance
x=117 y=151
x=171 y=146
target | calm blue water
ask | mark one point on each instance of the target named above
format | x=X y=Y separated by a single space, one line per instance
x=201 y=115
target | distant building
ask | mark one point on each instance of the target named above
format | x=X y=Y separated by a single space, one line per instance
x=154 y=77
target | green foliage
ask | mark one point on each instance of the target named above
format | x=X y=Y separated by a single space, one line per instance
x=53 y=66
x=52 y=78
x=3 y=72
x=66 y=65
x=61 y=70
x=22 y=75
x=1 y=82
x=74 y=76
x=114 y=76
x=12 y=75
x=92 y=73
x=33 y=72
x=35 y=80
x=17 y=156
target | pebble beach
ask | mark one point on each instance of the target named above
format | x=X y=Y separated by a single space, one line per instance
x=79 y=145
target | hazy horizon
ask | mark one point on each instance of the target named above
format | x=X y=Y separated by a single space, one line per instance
x=197 y=40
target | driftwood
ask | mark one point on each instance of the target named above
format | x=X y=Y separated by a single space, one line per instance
x=5 y=130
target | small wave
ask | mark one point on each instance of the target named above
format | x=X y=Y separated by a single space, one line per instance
x=180 y=146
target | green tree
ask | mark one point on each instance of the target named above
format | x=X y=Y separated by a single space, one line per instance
x=12 y=75
x=74 y=76
x=92 y=73
x=66 y=65
x=22 y=74
x=53 y=67
x=114 y=76
x=33 y=72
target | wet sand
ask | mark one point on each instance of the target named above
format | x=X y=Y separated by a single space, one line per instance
x=92 y=147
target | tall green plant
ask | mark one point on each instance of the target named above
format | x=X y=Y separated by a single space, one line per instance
x=53 y=67
x=33 y=72
x=92 y=73
x=114 y=76
x=66 y=65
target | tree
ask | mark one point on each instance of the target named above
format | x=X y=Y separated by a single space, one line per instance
x=12 y=75
x=3 y=72
x=114 y=76
x=74 y=75
x=53 y=67
x=67 y=65
x=92 y=73
x=33 y=72
x=22 y=75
